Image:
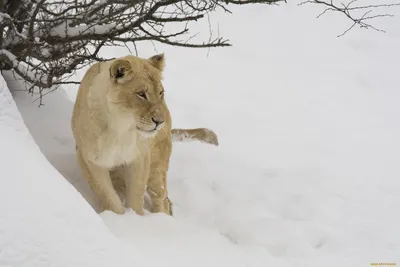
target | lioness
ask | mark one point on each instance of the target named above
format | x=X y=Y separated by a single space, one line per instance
x=122 y=129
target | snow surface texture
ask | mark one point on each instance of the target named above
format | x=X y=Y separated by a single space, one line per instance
x=306 y=173
x=44 y=221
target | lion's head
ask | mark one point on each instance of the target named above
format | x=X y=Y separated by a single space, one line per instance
x=136 y=89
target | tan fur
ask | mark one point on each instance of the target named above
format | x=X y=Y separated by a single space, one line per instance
x=120 y=148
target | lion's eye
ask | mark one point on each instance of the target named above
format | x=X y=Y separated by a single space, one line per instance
x=162 y=93
x=141 y=95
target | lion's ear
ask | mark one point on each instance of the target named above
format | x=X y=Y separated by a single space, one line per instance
x=121 y=71
x=158 y=61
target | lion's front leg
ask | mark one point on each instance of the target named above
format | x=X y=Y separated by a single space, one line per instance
x=157 y=188
x=136 y=182
x=100 y=182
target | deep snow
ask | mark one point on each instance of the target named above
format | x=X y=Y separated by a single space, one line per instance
x=46 y=222
x=306 y=173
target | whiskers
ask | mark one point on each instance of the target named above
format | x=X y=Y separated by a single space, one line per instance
x=164 y=129
x=118 y=102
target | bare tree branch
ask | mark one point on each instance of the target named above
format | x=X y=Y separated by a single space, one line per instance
x=358 y=15
x=46 y=41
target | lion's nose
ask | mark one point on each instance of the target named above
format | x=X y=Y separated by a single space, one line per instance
x=157 y=121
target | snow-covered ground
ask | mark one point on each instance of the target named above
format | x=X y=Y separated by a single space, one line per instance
x=306 y=174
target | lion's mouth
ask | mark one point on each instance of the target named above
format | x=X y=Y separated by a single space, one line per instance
x=147 y=131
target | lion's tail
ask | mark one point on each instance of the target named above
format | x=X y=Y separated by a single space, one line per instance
x=200 y=134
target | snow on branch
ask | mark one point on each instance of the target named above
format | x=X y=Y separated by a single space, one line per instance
x=23 y=69
x=45 y=41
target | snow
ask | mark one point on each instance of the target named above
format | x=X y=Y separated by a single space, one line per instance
x=43 y=221
x=306 y=172
x=46 y=222
x=63 y=30
x=22 y=67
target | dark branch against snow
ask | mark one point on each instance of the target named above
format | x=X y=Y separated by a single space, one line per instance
x=45 y=41
x=359 y=15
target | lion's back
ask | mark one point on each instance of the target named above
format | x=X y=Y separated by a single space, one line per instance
x=80 y=107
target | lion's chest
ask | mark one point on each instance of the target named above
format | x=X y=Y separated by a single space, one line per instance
x=117 y=146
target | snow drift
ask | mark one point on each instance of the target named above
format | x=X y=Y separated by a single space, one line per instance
x=44 y=221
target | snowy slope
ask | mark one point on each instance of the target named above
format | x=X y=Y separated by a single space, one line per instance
x=146 y=236
x=44 y=221
x=306 y=173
